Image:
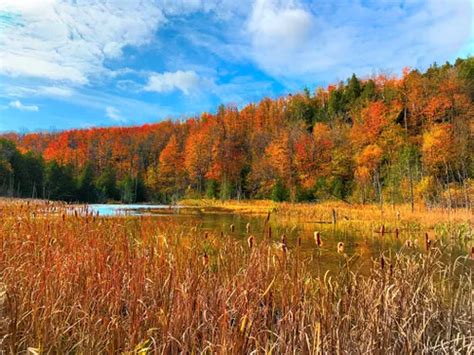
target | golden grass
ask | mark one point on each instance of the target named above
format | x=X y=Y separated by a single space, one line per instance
x=353 y=212
x=81 y=284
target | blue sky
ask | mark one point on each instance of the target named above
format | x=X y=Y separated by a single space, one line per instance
x=83 y=63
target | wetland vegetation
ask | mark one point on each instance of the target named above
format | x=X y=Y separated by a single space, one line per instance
x=241 y=279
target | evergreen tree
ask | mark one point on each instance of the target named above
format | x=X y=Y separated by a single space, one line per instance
x=132 y=189
x=279 y=192
x=106 y=185
x=336 y=104
x=226 y=190
x=353 y=90
x=86 y=191
x=369 y=91
x=34 y=186
x=211 y=189
x=59 y=184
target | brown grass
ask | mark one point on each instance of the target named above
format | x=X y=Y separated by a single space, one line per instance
x=81 y=284
x=427 y=217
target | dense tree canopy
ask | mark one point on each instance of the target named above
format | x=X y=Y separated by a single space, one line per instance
x=382 y=139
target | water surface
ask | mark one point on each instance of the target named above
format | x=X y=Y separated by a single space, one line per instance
x=359 y=248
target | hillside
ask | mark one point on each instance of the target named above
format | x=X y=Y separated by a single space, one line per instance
x=383 y=139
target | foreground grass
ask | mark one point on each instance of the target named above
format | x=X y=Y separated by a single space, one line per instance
x=82 y=284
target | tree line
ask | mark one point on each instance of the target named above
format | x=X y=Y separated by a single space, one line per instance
x=28 y=175
x=383 y=139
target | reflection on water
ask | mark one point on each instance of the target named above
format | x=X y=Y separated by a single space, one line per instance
x=360 y=248
x=130 y=210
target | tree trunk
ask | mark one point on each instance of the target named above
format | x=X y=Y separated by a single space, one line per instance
x=449 y=189
x=466 y=193
x=410 y=174
x=379 y=188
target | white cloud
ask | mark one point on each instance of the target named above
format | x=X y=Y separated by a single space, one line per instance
x=66 y=40
x=279 y=26
x=114 y=114
x=18 y=91
x=70 y=41
x=55 y=91
x=315 y=41
x=185 y=81
x=59 y=48
x=19 y=106
x=25 y=5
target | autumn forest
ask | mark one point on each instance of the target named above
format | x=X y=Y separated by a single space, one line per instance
x=382 y=139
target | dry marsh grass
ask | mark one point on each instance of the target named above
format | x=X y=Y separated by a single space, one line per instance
x=76 y=283
x=344 y=211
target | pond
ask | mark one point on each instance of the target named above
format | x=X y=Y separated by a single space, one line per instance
x=361 y=249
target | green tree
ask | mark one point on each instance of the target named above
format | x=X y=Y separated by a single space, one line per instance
x=59 y=184
x=132 y=189
x=20 y=174
x=279 y=192
x=106 y=185
x=211 y=189
x=353 y=90
x=369 y=91
x=336 y=104
x=226 y=190
x=28 y=174
x=86 y=191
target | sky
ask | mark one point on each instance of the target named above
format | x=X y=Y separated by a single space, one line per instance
x=84 y=63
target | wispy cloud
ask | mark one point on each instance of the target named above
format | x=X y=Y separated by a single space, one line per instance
x=19 y=106
x=114 y=114
x=148 y=59
x=55 y=91
x=268 y=32
x=185 y=81
x=21 y=91
x=62 y=40
x=330 y=40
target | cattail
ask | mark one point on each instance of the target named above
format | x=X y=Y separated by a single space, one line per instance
x=427 y=241
x=340 y=247
x=334 y=216
x=232 y=228
x=268 y=217
x=222 y=234
x=205 y=260
x=408 y=243
x=250 y=242
x=317 y=239
x=206 y=235
x=396 y=233
x=382 y=262
x=299 y=241
x=247 y=227
x=269 y=232
x=382 y=230
x=472 y=253
x=64 y=217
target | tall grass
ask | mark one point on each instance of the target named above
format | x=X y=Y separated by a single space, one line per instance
x=82 y=284
x=345 y=212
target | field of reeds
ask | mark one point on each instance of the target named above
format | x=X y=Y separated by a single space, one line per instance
x=73 y=282
x=389 y=214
